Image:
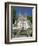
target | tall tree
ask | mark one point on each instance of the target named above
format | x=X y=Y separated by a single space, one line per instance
x=29 y=18
x=13 y=12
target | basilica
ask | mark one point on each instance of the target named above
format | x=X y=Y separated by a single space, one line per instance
x=22 y=23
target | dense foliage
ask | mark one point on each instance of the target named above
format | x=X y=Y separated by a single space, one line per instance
x=13 y=13
x=29 y=18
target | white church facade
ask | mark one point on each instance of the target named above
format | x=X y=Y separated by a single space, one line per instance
x=22 y=23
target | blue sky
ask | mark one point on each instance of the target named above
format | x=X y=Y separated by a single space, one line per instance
x=24 y=11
